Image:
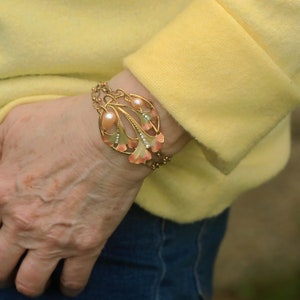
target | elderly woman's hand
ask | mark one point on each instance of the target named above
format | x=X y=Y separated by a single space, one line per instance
x=62 y=190
x=62 y=193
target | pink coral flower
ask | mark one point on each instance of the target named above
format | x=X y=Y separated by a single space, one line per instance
x=121 y=148
x=157 y=142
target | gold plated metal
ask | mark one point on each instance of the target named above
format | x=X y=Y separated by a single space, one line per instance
x=129 y=124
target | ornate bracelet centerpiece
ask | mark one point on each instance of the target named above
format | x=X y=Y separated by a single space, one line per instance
x=129 y=124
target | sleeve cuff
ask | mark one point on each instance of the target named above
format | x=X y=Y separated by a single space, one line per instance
x=216 y=81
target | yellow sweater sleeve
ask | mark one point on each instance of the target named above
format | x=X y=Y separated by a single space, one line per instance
x=227 y=71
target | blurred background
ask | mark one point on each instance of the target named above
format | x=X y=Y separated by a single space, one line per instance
x=260 y=256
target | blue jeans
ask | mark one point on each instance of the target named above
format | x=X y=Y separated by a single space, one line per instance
x=150 y=258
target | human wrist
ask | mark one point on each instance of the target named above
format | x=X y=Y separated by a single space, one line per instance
x=99 y=150
x=175 y=137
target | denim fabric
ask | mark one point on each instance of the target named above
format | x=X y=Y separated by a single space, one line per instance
x=149 y=258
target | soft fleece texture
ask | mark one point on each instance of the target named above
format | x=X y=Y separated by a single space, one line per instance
x=227 y=70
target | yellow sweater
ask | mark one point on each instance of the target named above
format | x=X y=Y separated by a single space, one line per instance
x=227 y=70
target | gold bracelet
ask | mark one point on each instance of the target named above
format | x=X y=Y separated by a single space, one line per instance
x=129 y=124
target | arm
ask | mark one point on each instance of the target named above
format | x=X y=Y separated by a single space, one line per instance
x=55 y=171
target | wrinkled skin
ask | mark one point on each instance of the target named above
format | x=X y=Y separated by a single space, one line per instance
x=62 y=191
x=61 y=197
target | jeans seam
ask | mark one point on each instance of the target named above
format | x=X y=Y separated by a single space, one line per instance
x=161 y=260
x=198 y=259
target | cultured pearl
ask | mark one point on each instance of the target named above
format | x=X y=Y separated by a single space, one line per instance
x=137 y=103
x=108 y=120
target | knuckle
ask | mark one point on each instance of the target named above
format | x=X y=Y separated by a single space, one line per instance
x=29 y=291
x=24 y=221
x=56 y=241
x=86 y=243
x=47 y=255
x=71 y=285
x=59 y=234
